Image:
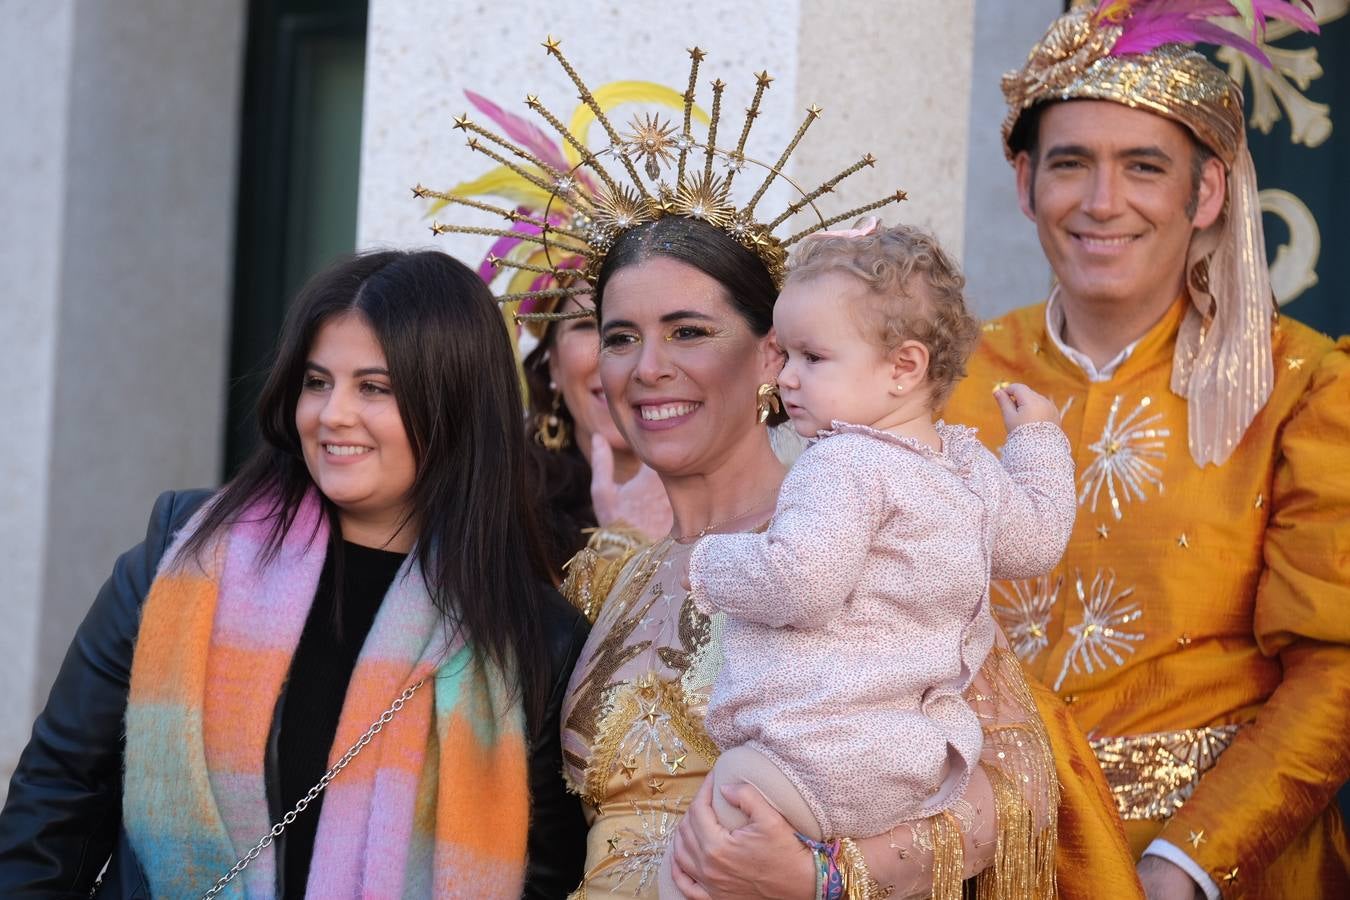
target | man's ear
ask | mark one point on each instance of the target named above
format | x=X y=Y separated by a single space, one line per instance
x=1025 y=167
x=1210 y=195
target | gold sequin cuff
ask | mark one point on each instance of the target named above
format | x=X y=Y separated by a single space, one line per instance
x=1152 y=775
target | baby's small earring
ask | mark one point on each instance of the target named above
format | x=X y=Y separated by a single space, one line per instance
x=899 y=388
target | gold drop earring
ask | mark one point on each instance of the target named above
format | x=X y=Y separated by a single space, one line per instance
x=767 y=401
x=551 y=431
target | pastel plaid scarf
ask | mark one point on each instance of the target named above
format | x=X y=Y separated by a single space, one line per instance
x=436 y=805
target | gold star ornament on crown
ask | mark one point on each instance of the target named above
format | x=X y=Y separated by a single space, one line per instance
x=591 y=203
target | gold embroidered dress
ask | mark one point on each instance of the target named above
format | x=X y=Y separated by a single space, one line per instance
x=1199 y=620
x=635 y=750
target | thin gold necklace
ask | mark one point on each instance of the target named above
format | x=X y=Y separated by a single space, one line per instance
x=688 y=538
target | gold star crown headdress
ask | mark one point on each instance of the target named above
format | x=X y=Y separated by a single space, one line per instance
x=589 y=207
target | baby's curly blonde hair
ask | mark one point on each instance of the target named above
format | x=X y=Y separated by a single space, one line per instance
x=919 y=289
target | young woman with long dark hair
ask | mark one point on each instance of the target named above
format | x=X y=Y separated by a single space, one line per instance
x=375 y=561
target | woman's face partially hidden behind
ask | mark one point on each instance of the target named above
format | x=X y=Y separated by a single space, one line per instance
x=573 y=365
x=680 y=367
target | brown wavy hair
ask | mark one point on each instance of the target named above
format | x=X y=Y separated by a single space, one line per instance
x=919 y=289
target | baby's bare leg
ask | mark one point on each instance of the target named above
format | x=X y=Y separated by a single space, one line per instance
x=741 y=765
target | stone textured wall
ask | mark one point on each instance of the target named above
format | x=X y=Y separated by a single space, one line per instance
x=904 y=100
x=914 y=81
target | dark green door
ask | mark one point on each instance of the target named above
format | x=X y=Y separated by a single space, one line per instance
x=299 y=160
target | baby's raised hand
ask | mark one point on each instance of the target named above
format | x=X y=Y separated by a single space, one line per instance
x=1020 y=405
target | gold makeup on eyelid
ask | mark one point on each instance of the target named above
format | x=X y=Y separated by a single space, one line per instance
x=703 y=332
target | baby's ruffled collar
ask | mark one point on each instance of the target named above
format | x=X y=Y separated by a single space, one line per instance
x=958 y=441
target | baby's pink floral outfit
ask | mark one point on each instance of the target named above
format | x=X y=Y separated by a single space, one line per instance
x=856 y=621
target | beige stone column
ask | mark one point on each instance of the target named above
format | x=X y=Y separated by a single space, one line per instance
x=117 y=282
x=35 y=58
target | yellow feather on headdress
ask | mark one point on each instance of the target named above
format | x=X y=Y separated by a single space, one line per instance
x=617 y=93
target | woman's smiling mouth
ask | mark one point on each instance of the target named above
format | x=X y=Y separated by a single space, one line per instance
x=666 y=412
x=345 y=450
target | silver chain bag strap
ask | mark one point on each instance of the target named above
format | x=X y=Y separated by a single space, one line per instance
x=266 y=841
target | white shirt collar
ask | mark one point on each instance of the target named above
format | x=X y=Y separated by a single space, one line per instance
x=1054 y=326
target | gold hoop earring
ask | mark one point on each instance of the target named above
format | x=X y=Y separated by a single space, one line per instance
x=767 y=401
x=550 y=431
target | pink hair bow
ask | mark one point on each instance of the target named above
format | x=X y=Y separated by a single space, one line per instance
x=869 y=226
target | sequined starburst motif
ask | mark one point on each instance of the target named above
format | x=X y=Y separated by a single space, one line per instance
x=1128 y=456
x=703 y=197
x=1101 y=639
x=616 y=211
x=653 y=140
x=637 y=852
x=1025 y=612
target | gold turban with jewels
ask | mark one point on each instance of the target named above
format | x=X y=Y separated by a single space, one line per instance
x=1074 y=61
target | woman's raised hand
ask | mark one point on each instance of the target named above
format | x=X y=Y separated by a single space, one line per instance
x=762 y=858
x=640 y=501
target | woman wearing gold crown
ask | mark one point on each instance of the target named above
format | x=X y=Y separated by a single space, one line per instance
x=573 y=435
x=684 y=282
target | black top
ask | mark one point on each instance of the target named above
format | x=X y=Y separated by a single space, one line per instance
x=322 y=668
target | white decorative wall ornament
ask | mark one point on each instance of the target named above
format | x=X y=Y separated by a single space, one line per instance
x=1294 y=268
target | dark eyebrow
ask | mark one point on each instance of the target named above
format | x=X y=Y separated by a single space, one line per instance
x=1145 y=153
x=685 y=314
x=613 y=324
x=1067 y=150
x=669 y=317
x=1149 y=152
x=359 y=373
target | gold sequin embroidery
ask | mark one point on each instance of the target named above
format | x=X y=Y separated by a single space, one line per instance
x=1100 y=639
x=1152 y=775
x=1128 y=457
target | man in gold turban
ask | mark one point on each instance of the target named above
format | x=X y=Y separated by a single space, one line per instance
x=1199 y=623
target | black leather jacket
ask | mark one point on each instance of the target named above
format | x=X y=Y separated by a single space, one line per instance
x=62 y=819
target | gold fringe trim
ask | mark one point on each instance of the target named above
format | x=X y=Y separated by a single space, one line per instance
x=949 y=856
x=590 y=575
x=1024 y=860
x=1020 y=764
x=857 y=879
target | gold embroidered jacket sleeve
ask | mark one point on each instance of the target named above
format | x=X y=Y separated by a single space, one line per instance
x=1285 y=767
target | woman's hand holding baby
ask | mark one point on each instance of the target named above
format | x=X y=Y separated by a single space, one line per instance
x=1021 y=405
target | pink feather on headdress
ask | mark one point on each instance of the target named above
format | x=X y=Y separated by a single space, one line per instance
x=523 y=132
x=1148 y=24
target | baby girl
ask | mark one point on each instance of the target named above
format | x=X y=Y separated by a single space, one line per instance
x=858 y=618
